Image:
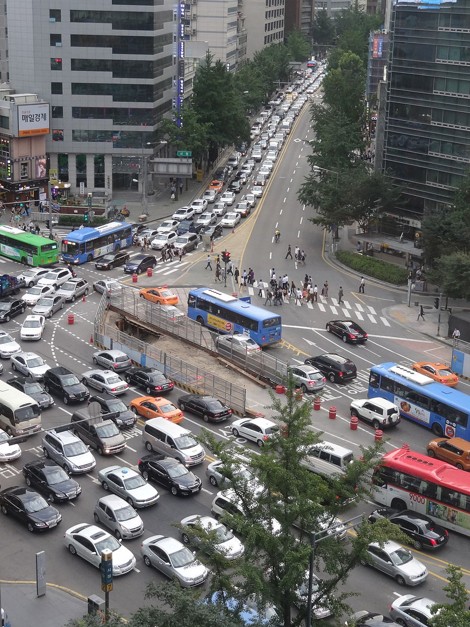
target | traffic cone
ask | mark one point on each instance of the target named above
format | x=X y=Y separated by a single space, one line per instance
x=91 y=339
x=84 y=298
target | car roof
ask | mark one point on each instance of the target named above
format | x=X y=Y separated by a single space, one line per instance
x=330 y=446
x=307 y=368
x=30 y=355
x=92 y=532
x=388 y=546
x=334 y=357
x=261 y=422
x=421 y=603
x=169 y=544
x=113 y=501
x=113 y=353
x=377 y=400
x=122 y=471
x=64 y=436
x=33 y=317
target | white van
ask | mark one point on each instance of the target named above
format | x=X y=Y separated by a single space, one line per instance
x=167 y=438
x=20 y=415
x=328 y=459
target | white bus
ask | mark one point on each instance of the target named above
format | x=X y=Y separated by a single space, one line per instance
x=19 y=413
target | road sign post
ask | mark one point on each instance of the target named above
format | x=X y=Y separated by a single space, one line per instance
x=184 y=153
x=106 y=568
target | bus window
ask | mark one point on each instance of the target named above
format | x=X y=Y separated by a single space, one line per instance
x=387 y=384
x=374 y=380
x=417 y=399
x=191 y=301
x=428 y=489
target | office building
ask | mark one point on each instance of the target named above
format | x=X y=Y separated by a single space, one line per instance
x=299 y=16
x=264 y=21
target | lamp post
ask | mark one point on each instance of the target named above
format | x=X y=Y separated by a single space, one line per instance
x=315 y=538
x=317 y=168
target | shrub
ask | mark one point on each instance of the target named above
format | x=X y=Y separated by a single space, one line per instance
x=74 y=220
x=376 y=268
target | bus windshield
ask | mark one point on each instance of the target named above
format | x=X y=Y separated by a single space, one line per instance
x=22 y=414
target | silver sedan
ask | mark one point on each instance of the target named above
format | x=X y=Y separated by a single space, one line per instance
x=129 y=485
x=48 y=305
x=174 y=560
x=105 y=381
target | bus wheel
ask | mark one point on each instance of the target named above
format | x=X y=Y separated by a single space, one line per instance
x=89 y=258
x=398 y=504
x=437 y=430
x=200 y=320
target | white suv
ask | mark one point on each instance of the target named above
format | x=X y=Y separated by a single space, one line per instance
x=379 y=412
x=55 y=277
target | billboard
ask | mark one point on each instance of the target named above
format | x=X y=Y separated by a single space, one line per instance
x=377 y=46
x=33 y=119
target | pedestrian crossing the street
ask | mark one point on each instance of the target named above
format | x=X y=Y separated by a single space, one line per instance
x=363 y=313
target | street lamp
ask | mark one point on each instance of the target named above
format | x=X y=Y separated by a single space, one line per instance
x=317 y=168
x=315 y=538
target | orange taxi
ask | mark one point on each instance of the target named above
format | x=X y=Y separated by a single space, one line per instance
x=216 y=185
x=439 y=372
x=160 y=295
x=156 y=407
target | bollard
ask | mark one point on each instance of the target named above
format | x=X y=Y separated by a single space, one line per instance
x=379 y=434
x=280 y=389
x=354 y=422
x=71 y=318
x=332 y=413
x=317 y=403
x=134 y=278
x=149 y=271
x=84 y=298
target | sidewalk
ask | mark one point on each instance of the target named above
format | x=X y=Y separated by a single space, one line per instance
x=55 y=609
x=433 y=325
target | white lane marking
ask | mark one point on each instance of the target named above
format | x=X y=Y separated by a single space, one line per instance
x=372 y=310
x=65 y=410
x=321 y=307
x=346 y=312
x=334 y=311
x=360 y=307
x=134 y=450
x=280 y=212
x=301 y=219
x=359 y=315
x=385 y=321
x=94 y=479
x=371 y=318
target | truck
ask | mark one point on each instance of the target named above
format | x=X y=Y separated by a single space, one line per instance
x=10 y=285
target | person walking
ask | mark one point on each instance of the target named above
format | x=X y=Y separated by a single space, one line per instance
x=340 y=295
x=315 y=293
x=217 y=273
x=362 y=285
x=236 y=275
x=269 y=298
x=278 y=297
x=230 y=268
x=456 y=337
x=289 y=252
x=421 y=313
x=260 y=287
x=324 y=291
x=309 y=293
x=208 y=263
x=298 y=296
x=272 y=273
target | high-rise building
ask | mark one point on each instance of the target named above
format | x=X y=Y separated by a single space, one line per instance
x=299 y=16
x=108 y=70
x=265 y=20
x=3 y=42
x=425 y=143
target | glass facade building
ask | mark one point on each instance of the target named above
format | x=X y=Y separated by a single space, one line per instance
x=426 y=145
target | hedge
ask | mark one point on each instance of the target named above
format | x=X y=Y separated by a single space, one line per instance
x=376 y=268
x=74 y=220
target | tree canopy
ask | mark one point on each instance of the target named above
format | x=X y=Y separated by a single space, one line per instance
x=298 y=46
x=456 y=612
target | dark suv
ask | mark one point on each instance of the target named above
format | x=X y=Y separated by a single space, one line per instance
x=113 y=408
x=336 y=368
x=63 y=382
x=102 y=435
x=140 y=263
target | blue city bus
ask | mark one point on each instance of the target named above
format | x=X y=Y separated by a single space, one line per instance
x=228 y=314
x=438 y=407
x=90 y=243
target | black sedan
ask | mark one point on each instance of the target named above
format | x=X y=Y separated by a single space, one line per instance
x=210 y=409
x=49 y=478
x=170 y=473
x=113 y=260
x=213 y=231
x=30 y=508
x=34 y=389
x=422 y=530
x=10 y=308
x=148 y=379
x=347 y=330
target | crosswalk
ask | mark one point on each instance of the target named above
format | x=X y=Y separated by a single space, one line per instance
x=363 y=313
x=166 y=268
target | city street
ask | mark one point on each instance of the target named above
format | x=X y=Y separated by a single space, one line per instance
x=304 y=334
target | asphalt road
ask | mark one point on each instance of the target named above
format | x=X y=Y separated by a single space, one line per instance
x=304 y=333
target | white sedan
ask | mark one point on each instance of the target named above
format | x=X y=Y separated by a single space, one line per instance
x=8 y=346
x=168 y=225
x=32 y=296
x=89 y=541
x=257 y=191
x=258 y=430
x=8 y=452
x=228 y=198
x=230 y=219
x=207 y=218
x=32 y=327
x=199 y=205
x=161 y=240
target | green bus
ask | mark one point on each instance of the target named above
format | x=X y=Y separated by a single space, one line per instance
x=27 y=248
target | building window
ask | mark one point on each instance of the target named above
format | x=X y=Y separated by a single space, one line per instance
x=4 y=121
x=58 y=135
x=57 y=112
x=56 y=88
x=99 y=170
x=63 y=163
x=80 y=165
x=56 y=63
x=55 y=15
x=55 y=40
x=24 y=170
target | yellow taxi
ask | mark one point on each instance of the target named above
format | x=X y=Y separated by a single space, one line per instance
x=160 y=295
x=156 y=407
x=439 y=372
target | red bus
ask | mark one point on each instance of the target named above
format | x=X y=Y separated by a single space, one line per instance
x=409 y=480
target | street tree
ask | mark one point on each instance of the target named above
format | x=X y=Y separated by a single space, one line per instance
x=193 y=134
x=353 y=27
x=273 y=64
x=284 y=494
x=298 y=46
x=323 y=28
x=456 y=612
x=343 y=88
x=451 y=273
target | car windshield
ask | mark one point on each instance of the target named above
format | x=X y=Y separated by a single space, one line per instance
x=4 y=436
x=108 y=543
x=107 y=258
x=181 y=558
x=116 y=405
x=56 y=475
x=34 y=291
x=5 y=306
x=177 y=471
x=30 y=324
x=35 y=504
x=134 y=482
x=32 y=388
x=34 y=362
x=107 y=431
x=444 y=373
x=165 y=409
x=223 y=534
x=6 y=339
x=125 y=513
x=400 y=557
x=75 y=448
x=45 y=302
x=185 y=441
x=69 y=379
x=121 y=358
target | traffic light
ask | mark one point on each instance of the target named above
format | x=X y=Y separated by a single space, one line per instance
x=85 y=216
x=225 y=256
x=436 y=302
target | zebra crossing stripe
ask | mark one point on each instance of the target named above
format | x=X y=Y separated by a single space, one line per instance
x=385 y=321
x=334 y=311
x=346 y=313
x=372 y=310
x=371 y=318
x=359 y=307
x=359 y=315
x=321 y=307
x=346 y=304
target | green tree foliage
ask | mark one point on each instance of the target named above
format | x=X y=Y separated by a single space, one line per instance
x=193 y=135
x=452 y=274
x=273 y=64
x=353 y=28
x=298 y=46
x=323 y=28
x=343 y=88
x=455 y=613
